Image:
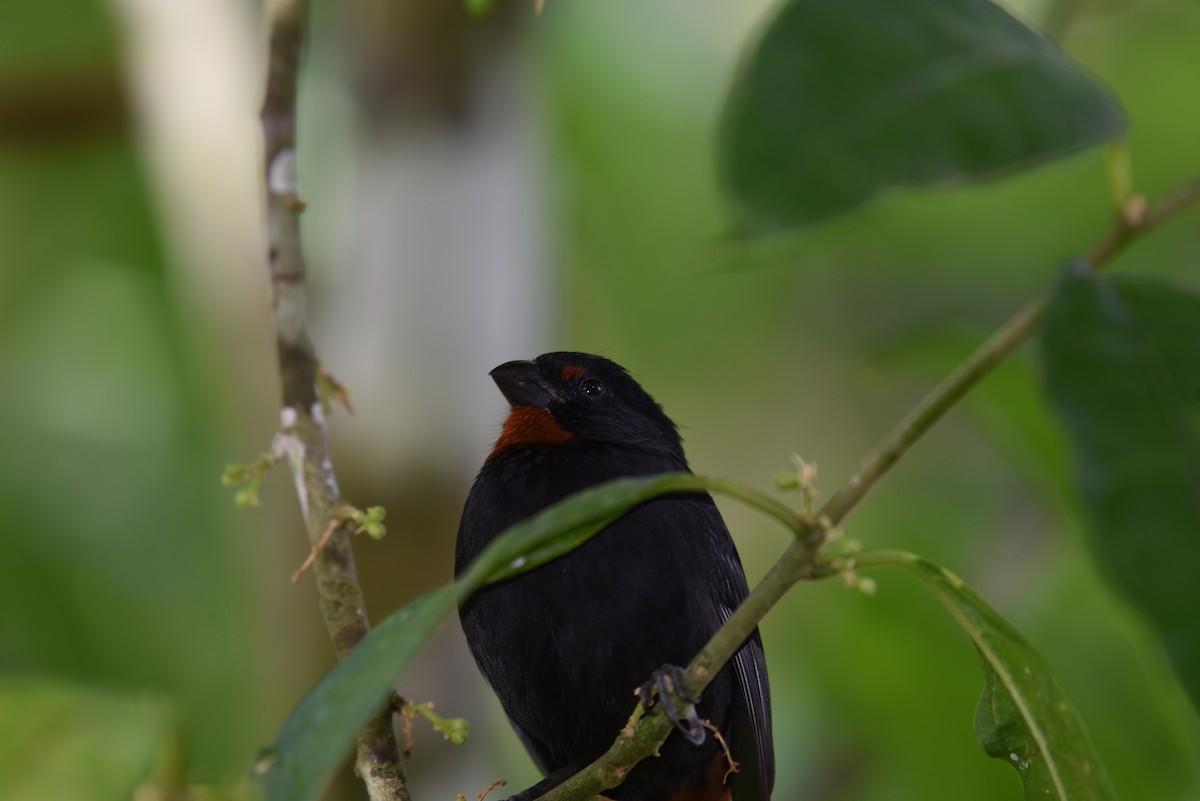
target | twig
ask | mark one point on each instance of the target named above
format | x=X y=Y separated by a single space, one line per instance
x=1125 y=233
x=316 y=548
x=302 y=439
x=800 y=559
x=369 y=521
x=998 y=347
x=492 y=786
x=732 y=766
x=400 y=707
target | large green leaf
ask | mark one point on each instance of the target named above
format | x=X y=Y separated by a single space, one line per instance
x=1023 y=716
x=842 y=99
x=1122 y=364
x=63 y=742
x=321 y=729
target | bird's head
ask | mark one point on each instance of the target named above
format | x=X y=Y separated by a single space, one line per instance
x=579 y=399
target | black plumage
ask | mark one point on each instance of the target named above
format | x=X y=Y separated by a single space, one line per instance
x=565 y=646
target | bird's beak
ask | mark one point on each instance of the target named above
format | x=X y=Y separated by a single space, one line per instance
x=522 y=384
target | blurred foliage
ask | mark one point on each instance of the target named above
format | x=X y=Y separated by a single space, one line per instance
x=120 y=569
x=1124 y=371
x=123 y=570
x=843 y=99
x=73 y=743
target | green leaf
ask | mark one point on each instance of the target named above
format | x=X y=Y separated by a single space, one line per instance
x=842 y=99
x=321 y=729
x=62 y=742
x=1023 y=717
x=567 y=525
x=1122 y=365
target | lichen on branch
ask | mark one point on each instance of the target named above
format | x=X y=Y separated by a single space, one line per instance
x=305 y=385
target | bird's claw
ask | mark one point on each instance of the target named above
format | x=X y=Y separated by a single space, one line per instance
x=666 y=681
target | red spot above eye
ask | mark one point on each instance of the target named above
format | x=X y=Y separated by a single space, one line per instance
x=573 y=371
x=529 y=425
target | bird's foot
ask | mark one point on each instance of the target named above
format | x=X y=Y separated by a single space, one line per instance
x=667 y=684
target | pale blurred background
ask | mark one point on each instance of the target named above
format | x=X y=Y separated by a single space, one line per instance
x=486 y=189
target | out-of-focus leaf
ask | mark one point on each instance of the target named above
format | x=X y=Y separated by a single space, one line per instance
x=320 y=730
x=842 y=99
x=1023 y=716
x=111 y=420
x=61 y=742
x=1122 y=364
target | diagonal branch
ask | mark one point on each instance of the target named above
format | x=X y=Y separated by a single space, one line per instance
x=1010 y=336
x=645 y=734
x=302 y=438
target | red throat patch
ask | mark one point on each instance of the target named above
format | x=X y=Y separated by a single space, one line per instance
x=529 y=425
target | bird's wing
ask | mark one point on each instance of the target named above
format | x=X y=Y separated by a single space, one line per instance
x=750 y=713
x=750 y=725
x=540 y=755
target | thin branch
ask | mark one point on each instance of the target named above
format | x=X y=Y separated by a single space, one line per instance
x=1128 y=231
x=998 y=347
x=303 y=436
x=643 y=735
x=933 y=406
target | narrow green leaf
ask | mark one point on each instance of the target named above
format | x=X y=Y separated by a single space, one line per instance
x=318 y=733
x=1023 y=717
x=842 y=99
x=1122 y=366
x=567 y=525
x=63 y=742
x=320 y=730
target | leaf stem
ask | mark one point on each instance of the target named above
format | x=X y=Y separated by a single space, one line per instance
x=879 y=558
x=768 y=505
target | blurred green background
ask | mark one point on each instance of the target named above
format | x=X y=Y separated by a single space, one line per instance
x=481 y=190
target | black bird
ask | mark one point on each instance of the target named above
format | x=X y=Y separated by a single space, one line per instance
x=565 y=646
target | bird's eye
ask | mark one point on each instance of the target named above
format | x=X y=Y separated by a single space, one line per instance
x=591 y=387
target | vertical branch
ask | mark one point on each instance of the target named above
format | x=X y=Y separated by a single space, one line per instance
x=302 y=438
